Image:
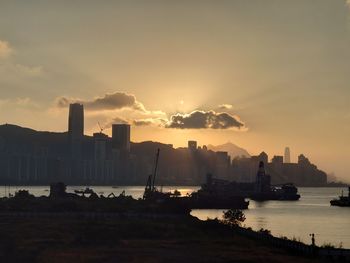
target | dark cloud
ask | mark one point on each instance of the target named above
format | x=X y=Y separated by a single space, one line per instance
x=110 y=101
x=204 y=120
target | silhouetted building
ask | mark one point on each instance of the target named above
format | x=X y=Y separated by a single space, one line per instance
x=263 y=180
x=287 y=155
x=302 y=160
x=277 y=160
x=303 y=173
x=76 y=129
x=32 y=157
x=121 y=137
x=222 y=167
x=192 y=145
x=100 y=145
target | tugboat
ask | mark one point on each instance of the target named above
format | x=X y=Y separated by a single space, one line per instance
x=342 y=201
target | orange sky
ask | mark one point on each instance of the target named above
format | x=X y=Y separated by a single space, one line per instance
x=280 y=67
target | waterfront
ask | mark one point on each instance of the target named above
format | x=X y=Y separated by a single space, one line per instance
x=311 y=214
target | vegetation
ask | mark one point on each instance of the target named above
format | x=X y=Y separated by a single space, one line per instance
x=233 y=217
x=332 y=246
x=264 y=231
x=133 y=239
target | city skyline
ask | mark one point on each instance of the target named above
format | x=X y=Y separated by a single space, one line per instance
x=34 y=157
x=261 y=75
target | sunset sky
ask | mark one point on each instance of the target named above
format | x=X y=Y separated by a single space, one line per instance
x=261 y=74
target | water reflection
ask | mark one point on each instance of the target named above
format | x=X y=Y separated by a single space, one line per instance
x=261 y=222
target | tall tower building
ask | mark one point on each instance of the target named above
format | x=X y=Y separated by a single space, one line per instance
x=76 y=129
x=263 y=180
x=121 y=137
x=76 y=121
x=192 y=145
x=287 y=155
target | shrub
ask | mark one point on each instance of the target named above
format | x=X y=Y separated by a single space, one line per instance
x=233 y=217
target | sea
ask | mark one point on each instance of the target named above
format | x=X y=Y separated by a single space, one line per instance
x=312 y=214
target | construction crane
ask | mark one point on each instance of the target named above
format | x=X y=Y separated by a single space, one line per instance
x=99 y=125
x=150 y=186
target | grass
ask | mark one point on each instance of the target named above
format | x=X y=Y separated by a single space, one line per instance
x=130 y=240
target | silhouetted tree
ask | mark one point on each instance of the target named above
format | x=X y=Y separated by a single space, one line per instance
x=234 y=217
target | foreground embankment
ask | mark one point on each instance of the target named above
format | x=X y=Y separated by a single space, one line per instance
x=131 y=239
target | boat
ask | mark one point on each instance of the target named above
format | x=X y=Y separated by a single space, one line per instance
x=264 y=191
x=210 y=196
x=342 y=200
x=217 y=194
x=287 y=192
x=284 y=192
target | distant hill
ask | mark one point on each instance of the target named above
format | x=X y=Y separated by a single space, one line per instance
x=17 y=134
x=232 y=149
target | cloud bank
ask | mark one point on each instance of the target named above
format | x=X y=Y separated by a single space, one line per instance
x=160 y=122
x=204 y=120
x=137 y=114
x=110 y=101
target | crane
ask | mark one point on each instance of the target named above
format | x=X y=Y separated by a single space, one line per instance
x=150 y=186
x=99 y=125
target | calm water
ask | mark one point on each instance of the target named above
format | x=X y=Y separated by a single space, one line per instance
x=311 y=214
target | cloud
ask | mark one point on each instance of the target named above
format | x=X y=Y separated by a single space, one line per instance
x=120 y=103
x=150 y=121
x=5 y=49
x=127 y=109
x=225 y=106
x=25 y=103
x=10 y=67
x=118 y=120
x=204 y=120
x=110 y=101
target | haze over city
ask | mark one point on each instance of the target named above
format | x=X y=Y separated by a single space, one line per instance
x=261 y=74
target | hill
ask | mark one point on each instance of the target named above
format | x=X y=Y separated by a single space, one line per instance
x=232 y=149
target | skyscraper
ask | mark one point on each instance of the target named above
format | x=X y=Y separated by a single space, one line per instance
x=192 y=145
x=76 y=121
x=76 y=129
x=121 y=137
x=287 y=155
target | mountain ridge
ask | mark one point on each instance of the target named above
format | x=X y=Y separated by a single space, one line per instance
x=232 y=149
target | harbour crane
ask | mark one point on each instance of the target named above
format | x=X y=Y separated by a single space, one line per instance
x=150 y=186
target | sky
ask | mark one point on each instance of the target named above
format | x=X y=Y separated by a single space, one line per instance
x=260 y=74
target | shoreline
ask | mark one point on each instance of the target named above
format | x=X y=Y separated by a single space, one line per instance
x=143 y=185
x=166 y=234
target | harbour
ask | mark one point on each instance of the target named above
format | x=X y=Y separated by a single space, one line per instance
x=293 y=219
